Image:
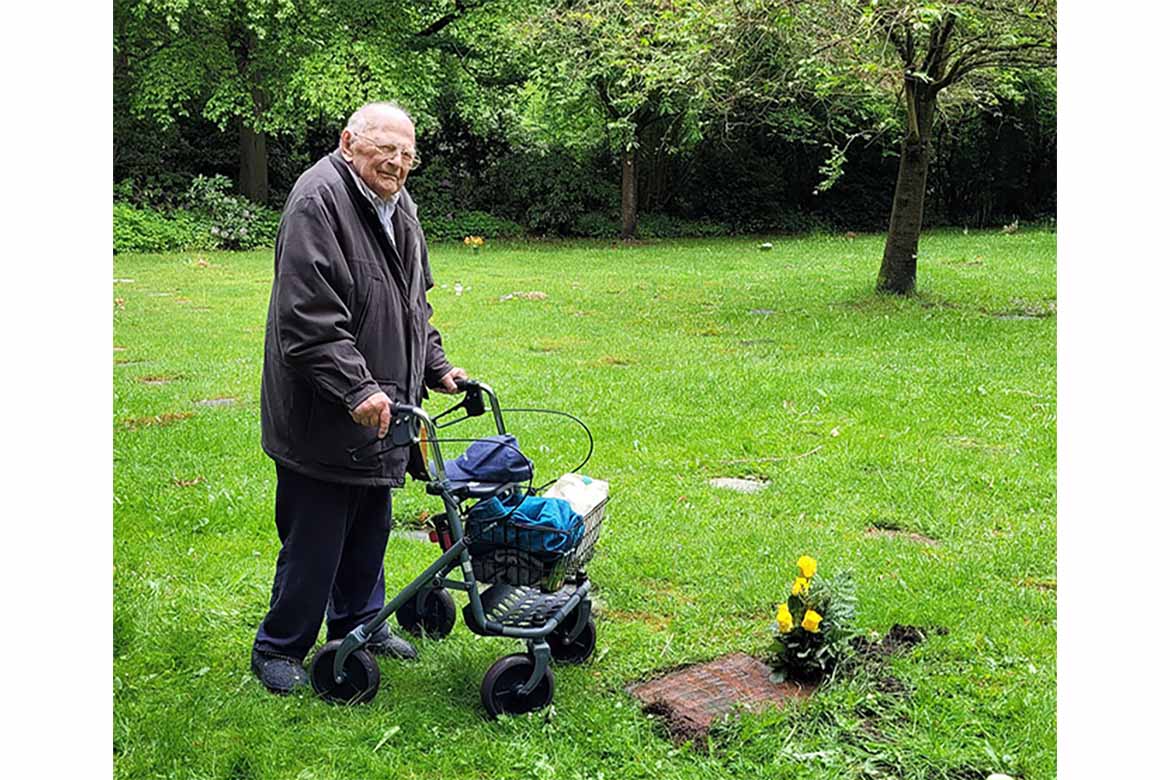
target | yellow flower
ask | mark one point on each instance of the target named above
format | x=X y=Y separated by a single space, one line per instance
x=807 y=566
x=799 y=586
x=811 y=622
x=784 y=619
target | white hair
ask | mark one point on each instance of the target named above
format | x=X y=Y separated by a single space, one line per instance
x=360 y=120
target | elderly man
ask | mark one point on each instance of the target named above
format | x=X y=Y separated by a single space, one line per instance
x=348 y=337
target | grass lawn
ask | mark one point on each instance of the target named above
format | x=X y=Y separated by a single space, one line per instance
x=931 y=418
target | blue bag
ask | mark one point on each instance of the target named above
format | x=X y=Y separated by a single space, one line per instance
x=546 y=526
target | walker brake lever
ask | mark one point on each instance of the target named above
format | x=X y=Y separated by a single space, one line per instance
x=404 y=431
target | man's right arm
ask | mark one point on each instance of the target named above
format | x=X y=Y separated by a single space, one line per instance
x=312 y=320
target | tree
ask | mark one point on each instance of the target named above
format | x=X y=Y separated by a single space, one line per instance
x=271 y=66
x=227 y=60
x=922 y=55
x=939 y=46
x=635 y=71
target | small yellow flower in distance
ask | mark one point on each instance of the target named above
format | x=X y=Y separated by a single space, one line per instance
x=784 y=619
x=811 y=622
x=799 y=586
x=807 y=566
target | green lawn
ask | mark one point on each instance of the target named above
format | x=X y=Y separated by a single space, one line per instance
x=689 y=360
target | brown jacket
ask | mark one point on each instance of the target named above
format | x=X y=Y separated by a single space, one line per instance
x=348 y=315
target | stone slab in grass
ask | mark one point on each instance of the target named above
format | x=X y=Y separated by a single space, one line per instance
x=739 y=485
x=225 y=401
x=689 y=700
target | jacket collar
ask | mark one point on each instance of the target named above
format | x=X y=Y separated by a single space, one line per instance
x=365 y=211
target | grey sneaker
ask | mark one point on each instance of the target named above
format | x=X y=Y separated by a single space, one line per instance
x=387 y=644
x=279 y=674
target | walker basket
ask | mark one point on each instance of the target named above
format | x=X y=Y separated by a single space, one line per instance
x=510 y=556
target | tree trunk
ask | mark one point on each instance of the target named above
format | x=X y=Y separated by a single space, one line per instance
x=629 y=194
x=253 y=164
x=899 y=271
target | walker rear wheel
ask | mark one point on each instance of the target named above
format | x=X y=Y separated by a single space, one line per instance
x=436 y=618
x=362 y=675
x=579 y=650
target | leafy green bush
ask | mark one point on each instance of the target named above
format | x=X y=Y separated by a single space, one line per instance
x=666 y=226
x=547 y=191
x=233 y=221
x=595 y=224
x=458 y=225
x=162 y=191
x=148 y=230
x=814 y=625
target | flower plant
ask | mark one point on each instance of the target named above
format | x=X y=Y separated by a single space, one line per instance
x=814 y=624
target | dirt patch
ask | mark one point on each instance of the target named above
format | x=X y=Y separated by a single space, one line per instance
x=655 y=622
x=898 y=639
x=1045 y=585
x=668 y=591
x=967 y=442
x=187 y=482
x=892 y=533
x=690 y=699
x=1025 y=310
x=168 y=418
x=159 y=379
x=610 y=360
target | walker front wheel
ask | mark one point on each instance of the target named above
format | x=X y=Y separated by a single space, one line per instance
x=500 y=691
x=362 y=675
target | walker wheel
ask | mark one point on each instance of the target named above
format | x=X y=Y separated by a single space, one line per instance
x=362 y=675
x=579 y=650
x=435 y=620
x=500 y=689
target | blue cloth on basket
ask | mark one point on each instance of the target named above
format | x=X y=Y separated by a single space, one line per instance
x=491 y=459
x=541 y=525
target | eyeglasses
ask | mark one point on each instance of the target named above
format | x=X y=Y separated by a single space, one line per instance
x=390 y=151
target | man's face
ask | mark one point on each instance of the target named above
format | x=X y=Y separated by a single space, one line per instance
x=380 y=152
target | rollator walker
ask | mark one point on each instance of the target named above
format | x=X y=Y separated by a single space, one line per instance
x=538 y=598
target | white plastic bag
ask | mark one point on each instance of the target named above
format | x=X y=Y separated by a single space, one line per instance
x=583 y=493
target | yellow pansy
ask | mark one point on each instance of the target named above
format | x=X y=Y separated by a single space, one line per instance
x=811 y=622
x=799 y=586
x=784 y=619
x=807 y=566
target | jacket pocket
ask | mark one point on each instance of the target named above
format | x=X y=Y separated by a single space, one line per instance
x=333 y=433
x=368 y=278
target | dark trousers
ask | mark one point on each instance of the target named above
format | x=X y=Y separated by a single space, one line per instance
x=333 y=541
